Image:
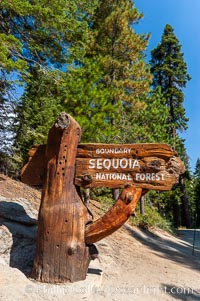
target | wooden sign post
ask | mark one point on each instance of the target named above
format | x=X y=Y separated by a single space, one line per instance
x=66 y=232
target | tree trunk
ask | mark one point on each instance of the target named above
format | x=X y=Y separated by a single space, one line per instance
x=115 y=193
x=61 y=253
x=176 y=214
x=185 y=204
x=142 y=205
x=86 y=195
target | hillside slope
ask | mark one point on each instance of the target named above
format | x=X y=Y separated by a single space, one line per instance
x=134 y=264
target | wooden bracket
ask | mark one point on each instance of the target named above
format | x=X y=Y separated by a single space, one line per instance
x=115 y=217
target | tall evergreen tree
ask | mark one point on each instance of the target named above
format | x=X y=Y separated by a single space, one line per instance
x=87 y=99
x=121 y=52
x=109 y=79
x=197 y=169
x=39 y=34
x=147 y=124
x=37 y=39
x=170 y=73
x=37 y=109
x=125 y=72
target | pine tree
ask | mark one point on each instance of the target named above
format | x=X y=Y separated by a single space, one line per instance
x=37 y=39
x=37 y=110
x=120 y=52
x=123 y=77
x=87 y=99
x=170 y=73
x=40 y=32
x=197 y=169
x=108 y=83
x=147 y=125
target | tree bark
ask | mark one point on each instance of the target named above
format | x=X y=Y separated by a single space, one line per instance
x=142 y=205
x=115 y=193
x=61 y=253
x=176 y=214
x=86 y=196
x=185 y=204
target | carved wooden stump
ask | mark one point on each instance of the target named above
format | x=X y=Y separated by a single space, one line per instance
x=61 y=254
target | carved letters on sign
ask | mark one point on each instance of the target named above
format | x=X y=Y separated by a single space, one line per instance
x=150 y=166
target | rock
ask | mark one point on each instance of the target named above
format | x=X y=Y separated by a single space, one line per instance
x=6 y=243
x=18 y=230
x=19 y=210
x=2 y=262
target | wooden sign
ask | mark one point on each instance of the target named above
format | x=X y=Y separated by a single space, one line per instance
x=150 y=166
x=66 y=230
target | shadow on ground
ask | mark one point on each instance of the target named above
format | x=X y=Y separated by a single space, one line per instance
x=23 y=231
x=180 y=252
x=94 y=271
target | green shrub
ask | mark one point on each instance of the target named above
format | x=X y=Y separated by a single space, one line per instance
x=151 y=219
x=103 y=196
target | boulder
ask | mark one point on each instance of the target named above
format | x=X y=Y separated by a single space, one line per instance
x=18 y=230
x=6 y=243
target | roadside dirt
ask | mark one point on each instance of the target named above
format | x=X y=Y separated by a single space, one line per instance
x=10 y=188
x=134 y=265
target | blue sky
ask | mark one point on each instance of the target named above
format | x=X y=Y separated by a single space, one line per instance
x=184 y=16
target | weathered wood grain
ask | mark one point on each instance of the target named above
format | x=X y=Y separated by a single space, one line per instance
x=115 y=217
x=61 y=253
x=149 y=166
x=91 y=150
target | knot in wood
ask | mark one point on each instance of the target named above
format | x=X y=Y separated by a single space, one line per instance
x=71 y=251
x=87 y=179
x=78 y=131
x=175 y=166
x=133 y=214
x=128 y=198
x=63 y=121
x=154 y=165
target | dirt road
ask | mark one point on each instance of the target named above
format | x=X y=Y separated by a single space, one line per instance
x=191 y=236
x=150 y=266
